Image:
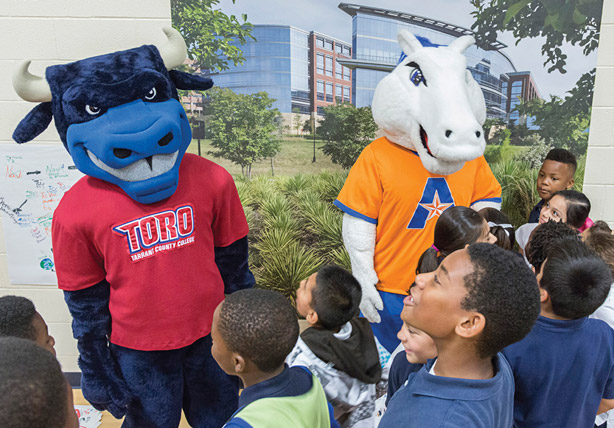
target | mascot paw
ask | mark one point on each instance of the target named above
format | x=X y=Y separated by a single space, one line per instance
x=371 y=302
x=101 y=398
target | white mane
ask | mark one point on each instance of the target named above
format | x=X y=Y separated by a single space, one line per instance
x=430 y=103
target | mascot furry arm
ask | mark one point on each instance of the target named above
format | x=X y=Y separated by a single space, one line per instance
x=119 y=117
x=430 y=109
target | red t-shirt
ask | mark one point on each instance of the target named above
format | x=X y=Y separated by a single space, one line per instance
x=158 y=258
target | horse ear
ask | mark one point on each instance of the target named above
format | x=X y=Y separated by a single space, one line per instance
x=461 y=43
x=408 y=42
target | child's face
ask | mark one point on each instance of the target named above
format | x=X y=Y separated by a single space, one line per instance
x=555 y=209
x=43 y=339
x=486 y=235
x=552 y=177
x=221 y=354
x=419 y=347
x=434 y=303
x=303 y=295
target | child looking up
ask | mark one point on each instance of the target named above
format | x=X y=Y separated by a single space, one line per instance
x=455 y=228
x=564 y=368
x=339 y=347
x=556 y=173
x=500 y=226
x=18 y=318
x=567 y=206
x=479 y=300
x=252 y=332
x=418 y=348
x=33 y=391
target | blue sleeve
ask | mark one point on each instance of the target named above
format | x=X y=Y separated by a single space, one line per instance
x=400 y=370
x=237 y=423
x=232 y=262
x=331 y=413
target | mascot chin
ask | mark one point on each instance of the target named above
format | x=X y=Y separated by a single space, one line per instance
x=148 y=242
x=430 y=111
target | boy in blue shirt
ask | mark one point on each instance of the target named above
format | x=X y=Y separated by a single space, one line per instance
x=556 y=173
x=252 y=332
x=479 y=300
x=564 y=368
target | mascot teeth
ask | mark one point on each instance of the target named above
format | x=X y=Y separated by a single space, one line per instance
x=143 y=169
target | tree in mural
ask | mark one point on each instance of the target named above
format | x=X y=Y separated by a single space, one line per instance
x=210 y=34
x=243 y=127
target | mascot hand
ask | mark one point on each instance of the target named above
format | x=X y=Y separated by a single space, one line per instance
x=359 y=240
x=371 y=301
x=101 y=380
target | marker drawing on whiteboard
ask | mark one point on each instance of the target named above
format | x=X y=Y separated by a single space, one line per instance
x=18 y=209
x=33 y=172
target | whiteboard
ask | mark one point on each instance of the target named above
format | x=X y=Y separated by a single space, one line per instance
x=33 y=179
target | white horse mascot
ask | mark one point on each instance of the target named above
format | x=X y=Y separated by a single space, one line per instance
x=430 y=111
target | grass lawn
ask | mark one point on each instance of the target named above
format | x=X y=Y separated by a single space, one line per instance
x=295 y=156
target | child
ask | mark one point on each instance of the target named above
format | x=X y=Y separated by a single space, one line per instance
x=600 y=240
x=500 y=226
x=556 y=173
x=563 y=369
x=253 y=331
x=455 y=228
x=18 y=318
x=338 y=346
x=418 y=348
x=567 y=206
x=33 y=391
x=479 y=300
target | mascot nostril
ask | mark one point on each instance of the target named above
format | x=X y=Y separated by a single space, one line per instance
x=397 y=188
x=122 y=153
x=166 y=139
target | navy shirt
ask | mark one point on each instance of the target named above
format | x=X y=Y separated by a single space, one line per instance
x=534 y=215
x=562 y=369
x=400 y=369
x=436 y=401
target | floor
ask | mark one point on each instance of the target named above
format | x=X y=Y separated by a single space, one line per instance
x=108 y=421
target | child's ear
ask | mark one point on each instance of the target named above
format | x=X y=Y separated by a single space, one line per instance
x=471 y=325
x=543 y=295
x=239 y=363
x=312 y=317
x=570 y=184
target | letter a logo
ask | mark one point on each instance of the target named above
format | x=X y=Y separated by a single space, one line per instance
x=436 y=198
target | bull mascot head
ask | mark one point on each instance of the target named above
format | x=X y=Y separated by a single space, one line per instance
x=430 y=103
x=118 y=115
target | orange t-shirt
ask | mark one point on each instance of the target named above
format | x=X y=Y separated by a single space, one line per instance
x=388 y=186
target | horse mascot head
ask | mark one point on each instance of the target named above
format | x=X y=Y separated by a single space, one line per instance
x=118 y=114
x=430 y=103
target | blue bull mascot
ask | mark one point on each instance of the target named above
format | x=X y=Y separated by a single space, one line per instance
x=148 y=242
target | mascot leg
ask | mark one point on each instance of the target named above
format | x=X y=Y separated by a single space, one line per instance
x=386 y=330
x=155 y=380
x=210 y=396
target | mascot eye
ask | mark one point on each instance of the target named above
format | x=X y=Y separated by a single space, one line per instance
x=416 y=77
x=151 y=94
x=92 y=110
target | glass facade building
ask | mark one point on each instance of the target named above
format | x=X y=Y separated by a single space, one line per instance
x=376 y=52
x=277 y=62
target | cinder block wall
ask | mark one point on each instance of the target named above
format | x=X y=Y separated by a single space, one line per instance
x=54 y=32
x=599 y=176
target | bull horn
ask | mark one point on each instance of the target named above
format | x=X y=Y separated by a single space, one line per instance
x=174 y=51
x=30 y=87
x=461 y=43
